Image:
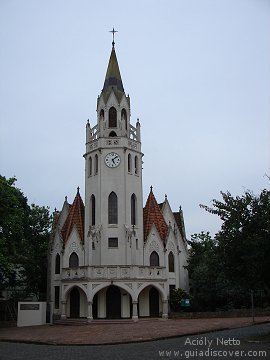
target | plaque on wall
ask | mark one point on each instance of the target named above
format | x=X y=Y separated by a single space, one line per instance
x=29 y=306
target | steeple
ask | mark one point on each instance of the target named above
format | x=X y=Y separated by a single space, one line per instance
x=113 y=78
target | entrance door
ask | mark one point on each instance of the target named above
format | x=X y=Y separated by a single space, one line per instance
x=153 y=302
x=75 y=303
x=113 y=302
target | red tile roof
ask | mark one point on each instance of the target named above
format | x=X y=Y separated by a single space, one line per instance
x=75 y=217
x=152 y=215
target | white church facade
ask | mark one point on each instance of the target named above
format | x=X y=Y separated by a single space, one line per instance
x=110 y=257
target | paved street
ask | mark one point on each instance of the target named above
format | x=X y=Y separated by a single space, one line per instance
x=229 y=343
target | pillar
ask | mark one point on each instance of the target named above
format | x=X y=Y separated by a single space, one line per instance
x=90 y=311
x=164 y=309
x=135 y=310
x=63 y=310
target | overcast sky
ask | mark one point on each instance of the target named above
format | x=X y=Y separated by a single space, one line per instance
x=198 y=75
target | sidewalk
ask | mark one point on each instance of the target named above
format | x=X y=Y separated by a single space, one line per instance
x=112 y=333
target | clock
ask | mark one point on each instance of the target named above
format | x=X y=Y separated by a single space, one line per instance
x=112 y=160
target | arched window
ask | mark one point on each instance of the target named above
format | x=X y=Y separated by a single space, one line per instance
x=124 y=117
x=154 y=259
x=112 y=134
x=93 y=210
x=129 y=163
x=96 y=164
x=136 y=164
x=90 y=164
x=73 y=260
x=133 y=204
x=57 y=264
x=112 y=208
x=112 y=118
x=171 y=262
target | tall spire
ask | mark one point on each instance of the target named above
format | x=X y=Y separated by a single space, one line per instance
x=113 y=78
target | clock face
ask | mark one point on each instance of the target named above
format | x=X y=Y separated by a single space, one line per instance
x=112 y=160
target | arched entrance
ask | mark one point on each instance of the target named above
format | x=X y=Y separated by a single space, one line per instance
x=149 y=300
x=153 y=302
x=75 y=303
x=113 y=302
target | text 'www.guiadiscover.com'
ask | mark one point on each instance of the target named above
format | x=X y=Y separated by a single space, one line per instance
x=211 y=353
x=203 y=347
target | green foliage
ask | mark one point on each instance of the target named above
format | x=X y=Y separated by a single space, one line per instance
x=224 y=269
x=24 y=235
x=34 y=263
x=176 y=295
x=13 y=214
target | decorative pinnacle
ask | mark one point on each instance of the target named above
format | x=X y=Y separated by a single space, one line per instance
x=113 y=32
x=78 y=190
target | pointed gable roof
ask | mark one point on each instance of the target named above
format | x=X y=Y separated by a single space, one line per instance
x=152 y=215
x=75 y=217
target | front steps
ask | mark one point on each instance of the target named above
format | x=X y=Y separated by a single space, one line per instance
x=71 y=322
x=84 y=321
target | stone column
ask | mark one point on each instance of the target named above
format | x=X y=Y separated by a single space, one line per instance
x=135 y=310
x=90 y=311
x=63 y=310
x=164 y=309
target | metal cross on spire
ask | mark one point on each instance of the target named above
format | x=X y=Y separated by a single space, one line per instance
x=113 y=32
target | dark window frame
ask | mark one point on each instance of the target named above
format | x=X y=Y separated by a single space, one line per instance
x=57 y=264
x=171 y=261
x=112 y=208
x=93 y=209
x=112 y=117
x=74 y=260
x=113 y=242
x=133 y=209
x=154 y=259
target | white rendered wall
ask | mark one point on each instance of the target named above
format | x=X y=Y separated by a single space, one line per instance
x=31 y=313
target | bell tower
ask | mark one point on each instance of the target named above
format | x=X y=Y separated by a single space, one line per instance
x=113 y=178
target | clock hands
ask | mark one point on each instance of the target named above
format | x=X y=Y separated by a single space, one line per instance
x=114 y=159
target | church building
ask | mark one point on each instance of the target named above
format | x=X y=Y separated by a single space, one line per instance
x=110 y=257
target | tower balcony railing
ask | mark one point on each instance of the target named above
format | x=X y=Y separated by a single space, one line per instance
x=114 y=272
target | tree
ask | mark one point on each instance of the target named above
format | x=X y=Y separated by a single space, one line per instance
x=24 y=236
x=205 y=271
x=224 y=269
x=244 y=239
x=34 y=261
x=13 y=210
